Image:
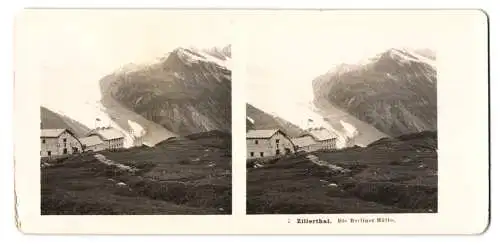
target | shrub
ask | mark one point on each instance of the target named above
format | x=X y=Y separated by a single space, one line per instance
x=403 y=196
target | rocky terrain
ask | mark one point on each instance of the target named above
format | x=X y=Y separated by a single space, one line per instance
x=188 y=91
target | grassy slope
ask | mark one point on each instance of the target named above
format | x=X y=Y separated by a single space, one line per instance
x=390 y=176
x=179 y=176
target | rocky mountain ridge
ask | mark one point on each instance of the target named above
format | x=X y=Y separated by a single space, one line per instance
x=395 y=91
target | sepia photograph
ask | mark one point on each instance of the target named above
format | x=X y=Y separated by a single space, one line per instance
x=135 y=111
x=341 y=118
x=284 y=122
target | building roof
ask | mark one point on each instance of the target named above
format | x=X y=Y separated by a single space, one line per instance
x=91 y=140
x=303 y=141
x=52 y=133
x=106 y=133
x=322 y=134
x=261 y=133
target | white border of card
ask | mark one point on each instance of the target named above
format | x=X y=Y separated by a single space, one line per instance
x=461 y=37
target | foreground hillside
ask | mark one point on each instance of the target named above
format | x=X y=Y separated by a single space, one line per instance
x=395 y=92
x=397 y=175
x=189 y=175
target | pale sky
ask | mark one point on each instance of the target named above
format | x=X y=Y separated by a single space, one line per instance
x=286 y=52
x=68 y=51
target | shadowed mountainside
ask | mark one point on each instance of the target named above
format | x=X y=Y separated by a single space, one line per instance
x=396 y=91
x=189 y=91
x=53 y=120
x=262 y=120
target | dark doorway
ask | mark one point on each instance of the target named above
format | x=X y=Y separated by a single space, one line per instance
x=65 y=151
x=277 y=151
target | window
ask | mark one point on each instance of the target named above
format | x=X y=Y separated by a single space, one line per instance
x=251 y=154
x=262 y=154
x=49 y=153
x=277 y=151
x=64 y=140
x=43 y=141
x=256 y=142
x=65 y=151
x=277 y=141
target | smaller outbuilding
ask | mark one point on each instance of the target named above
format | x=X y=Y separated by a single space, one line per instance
x=112 y=138
x=316 y=139
x=93 y=143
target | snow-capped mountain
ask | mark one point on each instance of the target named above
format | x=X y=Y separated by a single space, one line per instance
x=220 y=56
x=220 y=53
x=388 y=94
x=394 y=93
x=185 y=91
x=188 y=91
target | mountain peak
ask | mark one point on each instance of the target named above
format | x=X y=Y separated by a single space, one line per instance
x=396 y=54
x=402 y=57
x=223 y=53
x=189 y=54
x=395 y=92
x=192 y=55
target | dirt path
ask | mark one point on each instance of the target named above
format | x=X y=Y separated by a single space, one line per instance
x=315 y=159
x=108 y=162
